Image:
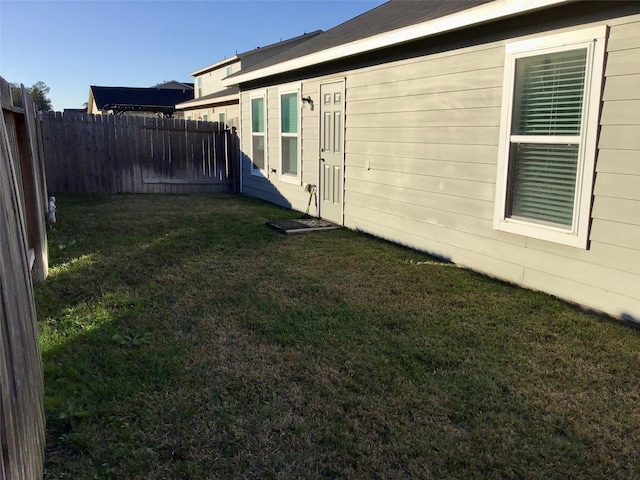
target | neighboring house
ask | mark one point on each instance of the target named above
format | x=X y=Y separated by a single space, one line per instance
x=173 y=84
x=214 y=102
x=75 y=111
x=501 y=135
x=160 y=100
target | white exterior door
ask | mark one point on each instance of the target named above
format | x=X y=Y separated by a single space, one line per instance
x=331 y=151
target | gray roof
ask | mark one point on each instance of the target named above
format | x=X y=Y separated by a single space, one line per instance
x=389 y=16
x=259 y=54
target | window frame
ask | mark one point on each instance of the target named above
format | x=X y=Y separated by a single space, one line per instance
x=594 y=40
x=286 y=177
x=257 y=171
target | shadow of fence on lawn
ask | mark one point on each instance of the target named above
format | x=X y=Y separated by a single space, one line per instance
x=114 y=330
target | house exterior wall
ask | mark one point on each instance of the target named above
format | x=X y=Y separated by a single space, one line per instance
x=231 y=112
x=271 y=186
x=92 y=107
x=212 y=80
x=421 y=155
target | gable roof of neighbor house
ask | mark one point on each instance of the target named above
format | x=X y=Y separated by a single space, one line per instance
x=140 y=99
x=392 y=23
x=174 y=84
x=248 y=59
x=259 y=54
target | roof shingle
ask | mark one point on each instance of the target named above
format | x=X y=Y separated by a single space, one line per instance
x=389 y=16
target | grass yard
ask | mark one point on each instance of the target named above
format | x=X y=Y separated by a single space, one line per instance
x=183 y=339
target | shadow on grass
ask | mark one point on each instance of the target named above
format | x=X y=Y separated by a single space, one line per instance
x=113 y=331
x=182 y=338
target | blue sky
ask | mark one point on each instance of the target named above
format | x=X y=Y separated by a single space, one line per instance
x=71 y=45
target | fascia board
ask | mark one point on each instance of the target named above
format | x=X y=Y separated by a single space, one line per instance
x=473 y=16
x=207 y=101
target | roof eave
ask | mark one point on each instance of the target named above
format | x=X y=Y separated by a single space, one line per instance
x=197 y=102
x=496 y=10
x=219 y=64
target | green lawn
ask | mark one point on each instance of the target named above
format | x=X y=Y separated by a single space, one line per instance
x=183 y=339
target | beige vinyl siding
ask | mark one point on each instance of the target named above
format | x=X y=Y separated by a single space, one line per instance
x=270 y=187
x=452 y=153
x=310 y=138
x=428 y=131
x=621 y=112
x=212 y=80
x=626 y=87
x=254 y=185
x=616 y=206
x=421 y=157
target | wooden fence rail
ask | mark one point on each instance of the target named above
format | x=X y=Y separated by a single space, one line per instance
x=129 y=154
x=23 y=259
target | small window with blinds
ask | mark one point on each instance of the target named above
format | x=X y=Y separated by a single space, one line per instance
x=290 y=136
x=551 y=101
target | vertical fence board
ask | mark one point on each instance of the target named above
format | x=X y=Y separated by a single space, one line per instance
x=117 y=154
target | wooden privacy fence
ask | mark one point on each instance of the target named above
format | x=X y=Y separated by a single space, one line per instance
x=23 y=258
x=129 y=154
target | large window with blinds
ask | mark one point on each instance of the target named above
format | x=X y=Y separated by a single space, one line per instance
x=290 y=135
x=551 y=102
x=258 y=135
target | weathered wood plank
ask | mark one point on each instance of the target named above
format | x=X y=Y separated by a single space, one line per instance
x=181 y=181
x=21 y=386
x=36 y=197
x=114 y=153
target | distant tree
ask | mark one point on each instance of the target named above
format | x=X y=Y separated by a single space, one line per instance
x=38 y=90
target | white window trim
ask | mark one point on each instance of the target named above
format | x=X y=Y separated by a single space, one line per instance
x=594 y=39
x=255 y=171
x=283 y=90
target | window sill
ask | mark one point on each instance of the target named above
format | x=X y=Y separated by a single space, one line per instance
x=295 y=180
x=542 y=232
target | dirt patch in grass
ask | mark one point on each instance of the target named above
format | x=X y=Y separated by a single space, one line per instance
x=182 y=338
